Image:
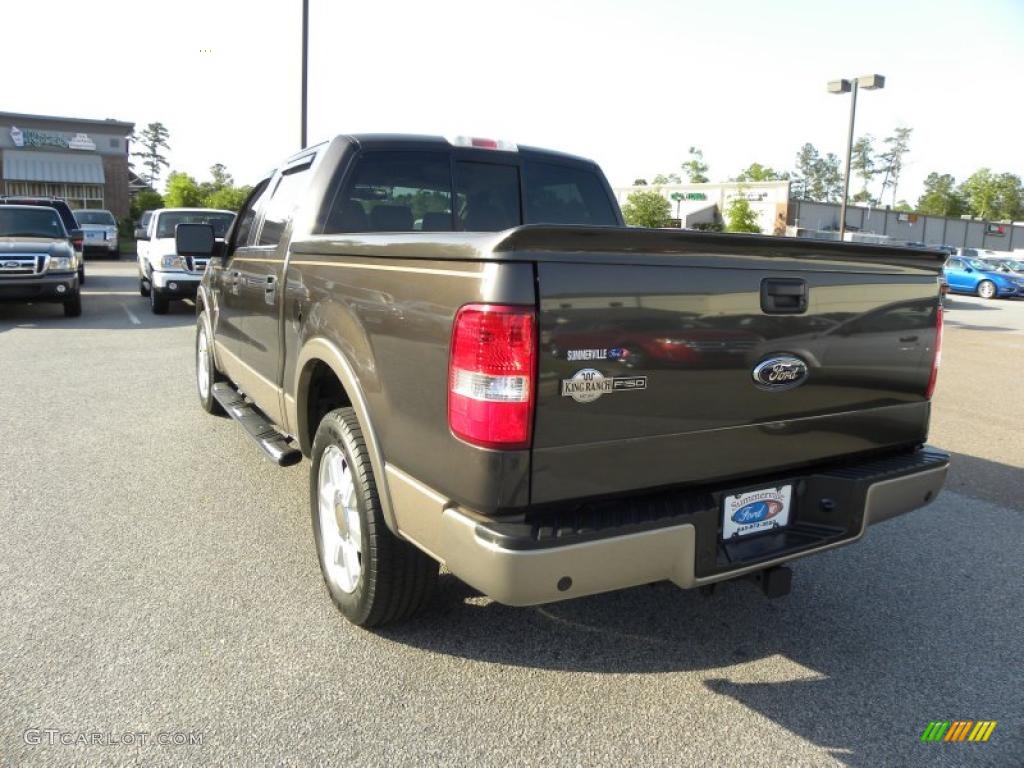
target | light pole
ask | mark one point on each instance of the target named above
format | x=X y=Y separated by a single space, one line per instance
x=868 y=83
x=305 y=67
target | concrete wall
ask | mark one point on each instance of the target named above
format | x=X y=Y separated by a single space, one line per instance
x=933 y=230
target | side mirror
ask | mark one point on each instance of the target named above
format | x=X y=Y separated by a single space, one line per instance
x=968 y=270
x=77 y=237
x=194 y=239
x=140 y=233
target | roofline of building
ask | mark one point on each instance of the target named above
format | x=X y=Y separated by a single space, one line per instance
x=705 y=184
x=106 y=122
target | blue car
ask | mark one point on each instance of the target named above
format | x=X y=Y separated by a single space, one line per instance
x=981 y=278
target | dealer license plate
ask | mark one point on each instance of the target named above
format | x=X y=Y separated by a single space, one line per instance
x=756 y=511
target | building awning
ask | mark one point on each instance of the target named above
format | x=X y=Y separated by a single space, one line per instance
x=52 y=166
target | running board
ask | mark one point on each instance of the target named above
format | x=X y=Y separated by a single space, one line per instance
x=275 y=445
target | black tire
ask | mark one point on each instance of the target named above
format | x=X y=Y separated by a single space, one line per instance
x=208 y=401
x=396 y=579
x=987 y=289
x=158 y=302
x=143 y=288
x=81 y=275
x=73 y=306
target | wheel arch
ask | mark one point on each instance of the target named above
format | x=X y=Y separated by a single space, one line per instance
x=326 y=380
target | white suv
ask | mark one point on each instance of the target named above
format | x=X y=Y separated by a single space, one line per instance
x=163 y=274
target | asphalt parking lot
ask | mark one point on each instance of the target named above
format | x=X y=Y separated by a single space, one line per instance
x=158 y=576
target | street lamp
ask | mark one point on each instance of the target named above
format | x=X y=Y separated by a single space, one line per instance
x=868 y=83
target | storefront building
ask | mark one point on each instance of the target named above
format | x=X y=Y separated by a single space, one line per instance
x=697 y=204
x=85 y=162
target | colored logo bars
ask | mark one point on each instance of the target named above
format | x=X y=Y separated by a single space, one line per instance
x=958 y=730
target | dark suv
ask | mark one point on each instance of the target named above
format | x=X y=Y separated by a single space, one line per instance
x=66 y=216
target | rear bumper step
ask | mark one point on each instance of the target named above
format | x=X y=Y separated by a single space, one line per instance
x=676 y=536
x=275 y=445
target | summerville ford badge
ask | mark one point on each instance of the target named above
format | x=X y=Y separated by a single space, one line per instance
x=589 y=384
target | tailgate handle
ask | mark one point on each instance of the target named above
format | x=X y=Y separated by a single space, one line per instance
x=783 y=296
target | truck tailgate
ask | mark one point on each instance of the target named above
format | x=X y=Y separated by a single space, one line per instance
x=672 y=342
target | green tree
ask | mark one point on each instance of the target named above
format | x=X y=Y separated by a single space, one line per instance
x=639 y=182
x=903 y=206
x=758 y=172
x=891 y=160
x=227 y=198
x=646 y=208
x=819 y=178
x=144 y=200
x=739 y=216
x=153 y=139
x=183 y=191
x=997 y=197
x=668 y=178
x=695 y=168
x=220 y=176
x=941 y=197
x=862 y=163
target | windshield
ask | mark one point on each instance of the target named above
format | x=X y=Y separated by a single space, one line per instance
x=981 y=266
x=168 y=221
x=29 y=222
x=95 y=217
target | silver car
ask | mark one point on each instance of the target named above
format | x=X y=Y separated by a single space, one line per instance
x=100 y=228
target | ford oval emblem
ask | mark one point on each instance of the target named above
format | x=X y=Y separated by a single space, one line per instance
x=757 y=512
x=780 y=372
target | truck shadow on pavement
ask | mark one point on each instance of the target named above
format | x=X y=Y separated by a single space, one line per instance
x=916 y=622
x=109 y=302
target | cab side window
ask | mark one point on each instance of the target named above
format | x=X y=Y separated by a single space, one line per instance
x=284 y=199
x=242 y=235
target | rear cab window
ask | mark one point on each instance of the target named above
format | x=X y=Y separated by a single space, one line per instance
x=438 y=191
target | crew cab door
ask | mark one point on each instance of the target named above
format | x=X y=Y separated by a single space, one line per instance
x=225 y=277
x=260 y=290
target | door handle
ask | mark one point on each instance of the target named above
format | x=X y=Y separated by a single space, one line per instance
x=908 y=339
x=783 y=296
x=270 y=289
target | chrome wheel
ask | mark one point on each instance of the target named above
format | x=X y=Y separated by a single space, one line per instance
x=340 y=526
x=987 y=289
x=202 y=365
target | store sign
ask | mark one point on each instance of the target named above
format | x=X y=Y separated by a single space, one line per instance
x=753 y=197
x=999 y=230
x=679 y=196
x=43 y=139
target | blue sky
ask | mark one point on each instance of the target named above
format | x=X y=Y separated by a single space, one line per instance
x=631 y=84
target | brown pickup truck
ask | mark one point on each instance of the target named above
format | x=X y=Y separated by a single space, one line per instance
x=489 y=371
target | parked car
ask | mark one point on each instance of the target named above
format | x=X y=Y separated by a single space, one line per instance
x=67 y=217
x=164 y=275
x=100 y=228
x=981 y=278
x=38 y=262
x=1014 y=267
x=534 y=465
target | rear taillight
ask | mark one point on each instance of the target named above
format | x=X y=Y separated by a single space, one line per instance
x=492 y=375
x=936 y=353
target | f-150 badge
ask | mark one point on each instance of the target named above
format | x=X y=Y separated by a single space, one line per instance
x=589 y=384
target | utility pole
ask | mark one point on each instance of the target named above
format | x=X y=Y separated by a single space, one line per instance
x=305 y=68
